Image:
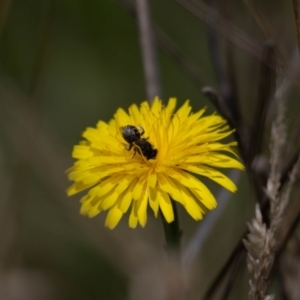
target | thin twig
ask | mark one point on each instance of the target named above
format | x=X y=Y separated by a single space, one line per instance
x=225 y=74
x=238 y=250
x=150 y=62
x=241 y=135
x=233 y=275
x=265 y=95
x=297 y=20
x=214 y=49
x=169 y=47
x=262 y=22
x=266 y=83
x=231 y=94
x=227 y=29
x=265 y=29
x=227 y=103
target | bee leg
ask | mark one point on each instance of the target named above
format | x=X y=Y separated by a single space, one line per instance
x=141 y=130
x=134 y=153
x=128 y=147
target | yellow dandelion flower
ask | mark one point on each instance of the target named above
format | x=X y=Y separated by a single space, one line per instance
x=147 y=157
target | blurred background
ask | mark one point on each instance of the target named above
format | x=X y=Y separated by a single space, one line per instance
x=64 y=65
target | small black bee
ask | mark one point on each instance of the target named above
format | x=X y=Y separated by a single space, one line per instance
x=133 y=136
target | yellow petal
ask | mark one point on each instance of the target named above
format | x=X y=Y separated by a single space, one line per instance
x=165 y=205
x=211 y=137
x=212 y=174
x=93 y=211
x=122 y=118
x=197 y=187
x=168 y=112
x=205 y=196
x=107 y=159
x=153 y=200
x=183 y=112
x=91 y=134
x=85 y=204
x=102 y=126
x=152 y=178
x=109 y=200
x=82 y=152
x=156 y=106
x=194 y=117
x=142 y=209
x=138 y=189
x=108 y=184
x=167 y=185
x=191 y=205
x=124 y=183
x=133 y=219
x=90 y=206
x=125 y=200
x=135 y=114
x=216 y=160
x=184 y=178
x=78 y=187
x=113 y=217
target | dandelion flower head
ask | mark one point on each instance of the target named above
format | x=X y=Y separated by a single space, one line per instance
x=121 y=179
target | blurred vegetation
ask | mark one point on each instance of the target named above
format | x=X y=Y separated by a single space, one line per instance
x=66 y=64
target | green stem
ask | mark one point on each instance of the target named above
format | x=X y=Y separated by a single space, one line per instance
x=175 y=289
x=172 y=232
